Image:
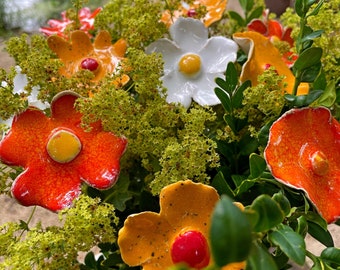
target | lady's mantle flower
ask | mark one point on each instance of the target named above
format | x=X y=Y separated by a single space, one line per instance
x=64 y=26
x=178 y=234
x=214 y=11
x=101 y=57
x=192 y=62
x=303 y=151
x=57 y=154
x=262 y=54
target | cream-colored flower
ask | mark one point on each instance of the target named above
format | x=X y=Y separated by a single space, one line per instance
x=192 y=62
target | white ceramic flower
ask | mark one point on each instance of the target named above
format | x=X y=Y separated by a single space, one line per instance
x=192 y=61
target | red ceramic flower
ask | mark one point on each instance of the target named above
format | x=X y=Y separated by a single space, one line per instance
x=60 y=27
x=271 y=29
x=303 y=151
x=57 y=155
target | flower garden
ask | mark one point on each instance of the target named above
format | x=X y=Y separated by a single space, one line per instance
x=174 y=135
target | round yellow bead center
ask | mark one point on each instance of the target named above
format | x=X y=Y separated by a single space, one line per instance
x=319 y=162
x=190 y=64
x=63 y=146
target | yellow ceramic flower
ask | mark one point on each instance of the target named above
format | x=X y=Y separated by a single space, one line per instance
x=102 y=57
x=214 y=8
x=178 y=234
x=262 y=54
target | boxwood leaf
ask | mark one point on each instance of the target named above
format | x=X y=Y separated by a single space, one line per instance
x=270 y=213
x=331 y=255
x=257 y=165
x=260 y=259
x=308 y=58
x=290 y=242
x=224 y=98
x=230 y=233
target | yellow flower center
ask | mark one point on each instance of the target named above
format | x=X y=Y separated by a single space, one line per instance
x=63 y=146
x=190 y=64
x=319 y=163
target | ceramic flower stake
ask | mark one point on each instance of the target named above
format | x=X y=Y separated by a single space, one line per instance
x=262 y=54
x=57 y=155
x=304 y=152
x=178 y=234
x=101 y=57
x=214 y=11
x=192 y=62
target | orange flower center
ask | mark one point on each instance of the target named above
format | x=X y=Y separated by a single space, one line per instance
x=190 y=64
x=192 y=249
x=319 y=163
x=63 y=146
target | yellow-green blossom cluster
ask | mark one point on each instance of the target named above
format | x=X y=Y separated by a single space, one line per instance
x=263 y=102
x=327 y=20
x=82 y=227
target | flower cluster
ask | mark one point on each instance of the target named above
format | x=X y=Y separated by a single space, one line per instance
x=170 y=144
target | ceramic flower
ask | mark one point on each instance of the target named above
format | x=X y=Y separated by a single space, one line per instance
x=214 y=11
x=262 y=54
x=192 y=62
x=178 y=234
x=57 y=155
x=101 y=57
x=62 y=27
x=272 y=29
x=303 y=152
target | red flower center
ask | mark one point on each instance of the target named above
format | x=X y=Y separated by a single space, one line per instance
x=90 y=64
x=192 y=13
x=191 y=248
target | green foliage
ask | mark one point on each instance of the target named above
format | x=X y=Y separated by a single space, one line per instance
x=83 y=226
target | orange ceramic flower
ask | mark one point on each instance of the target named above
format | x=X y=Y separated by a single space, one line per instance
x=261 y=55
x=102 y=57
x=215 y=9
x=60 y=27
x=178 y=234
x=303 y=151
x=57 y=155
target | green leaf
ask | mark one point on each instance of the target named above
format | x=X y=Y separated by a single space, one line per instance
x=230 y=233
x=256 y=13
x=312 y=35
x=284 y=203
x=246 y=4
x=308 y=58
x=302 y=6
x=316 y=10
x=260 y=259
x=119 y=194
x=238 y=94
x=224 y=98
x=230 y=120
x=303 y=100
x=221 y=185
x=269 y=211
x=222 y=84
x=331 y=255
x=290 y=242
x=244 y=186
x=257 y=165
x=302 y=226
x=231 y=77
x=237 y=17
x=328 y=96
x=323 y=236
x=311 y=73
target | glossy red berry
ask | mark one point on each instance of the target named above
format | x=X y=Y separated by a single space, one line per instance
x=192 y=249
x=90 y=64
x=191 y=13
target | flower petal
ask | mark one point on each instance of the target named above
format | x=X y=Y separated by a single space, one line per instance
x=46 y=190
x=189 y=34
x=261 y=52
x=204 y=94
x=290 y=151
x=184 y=212
x=144 y=241
x=217 y=53
x=171 y=53
x=179 y=89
